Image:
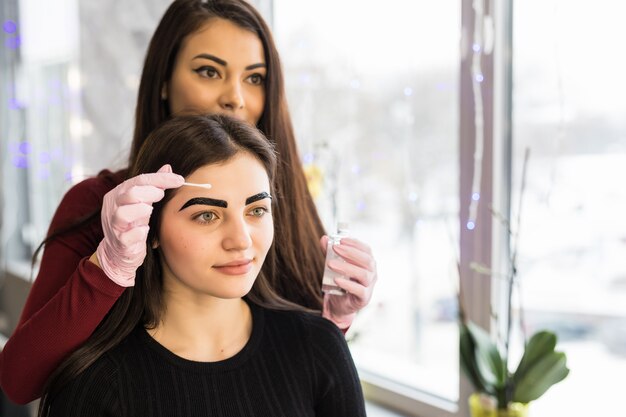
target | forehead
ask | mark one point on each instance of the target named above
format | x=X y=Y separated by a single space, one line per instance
x=225 y=39
x=233 y=180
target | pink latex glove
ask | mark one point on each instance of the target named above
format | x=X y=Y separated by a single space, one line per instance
x=360 y=266
x=125 y=215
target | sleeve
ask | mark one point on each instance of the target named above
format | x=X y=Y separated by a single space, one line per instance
x=93 y=393
x=337 y=386
x=67 y=301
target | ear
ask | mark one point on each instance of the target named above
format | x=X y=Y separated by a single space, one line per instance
x=155 y=243
x=164 y=92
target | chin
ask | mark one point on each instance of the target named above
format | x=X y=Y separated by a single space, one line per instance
x=236 y=291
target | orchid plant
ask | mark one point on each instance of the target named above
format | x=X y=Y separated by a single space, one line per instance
x=485 y=359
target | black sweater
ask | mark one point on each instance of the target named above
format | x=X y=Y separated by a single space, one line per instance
x=294 y=365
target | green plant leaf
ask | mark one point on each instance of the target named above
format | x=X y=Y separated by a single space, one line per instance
x=467 y=349
x=539 y=345
x=544 y=372
x=489 y=363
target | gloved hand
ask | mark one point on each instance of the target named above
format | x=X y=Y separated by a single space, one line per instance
x=125 y=215
x=360 y=267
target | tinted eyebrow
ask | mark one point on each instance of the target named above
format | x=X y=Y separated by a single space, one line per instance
x=257 y=197
x=204 y=201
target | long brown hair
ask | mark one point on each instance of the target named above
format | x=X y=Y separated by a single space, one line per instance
x=295 y=264
x=186 y=143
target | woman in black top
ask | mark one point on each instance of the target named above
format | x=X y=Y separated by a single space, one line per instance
x=202 y=333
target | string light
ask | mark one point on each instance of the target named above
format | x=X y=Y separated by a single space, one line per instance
x=478 y=47
x=13 y=43
x=9 y=26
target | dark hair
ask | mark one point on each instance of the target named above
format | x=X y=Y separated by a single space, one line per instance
x=295 y=263
x=186 y=143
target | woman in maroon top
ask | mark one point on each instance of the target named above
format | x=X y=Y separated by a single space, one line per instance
x=217 y=57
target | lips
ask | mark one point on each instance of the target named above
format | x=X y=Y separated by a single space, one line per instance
x=238 y=267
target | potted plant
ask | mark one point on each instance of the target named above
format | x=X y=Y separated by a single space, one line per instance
x=500 y=391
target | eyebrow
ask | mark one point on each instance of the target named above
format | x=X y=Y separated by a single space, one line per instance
x=224 y=63
x=257 y=197
x=204 y=201
x=221 y=203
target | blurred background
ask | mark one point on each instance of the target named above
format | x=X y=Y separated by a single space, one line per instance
x=411 y=125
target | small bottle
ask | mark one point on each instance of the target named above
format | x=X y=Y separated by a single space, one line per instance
x=328 y=281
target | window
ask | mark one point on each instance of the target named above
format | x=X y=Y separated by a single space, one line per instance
x=373 y=93
x=62 y=117
x=569 y=98
x=39 y=107
x=564 y=102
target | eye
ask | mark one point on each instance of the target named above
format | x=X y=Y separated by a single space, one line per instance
x=256 y=79
x=205 y=217
x=259 y=211
x=207 y=71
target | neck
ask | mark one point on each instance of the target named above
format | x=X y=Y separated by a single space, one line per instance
x=204 y=330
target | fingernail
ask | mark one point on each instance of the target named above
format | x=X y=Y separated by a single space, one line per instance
x=335 y=264
x=338 y=248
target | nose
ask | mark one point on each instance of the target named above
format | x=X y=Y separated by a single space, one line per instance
x=237 y=236
x=231 y=98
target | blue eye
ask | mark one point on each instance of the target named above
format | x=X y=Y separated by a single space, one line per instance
x=205 y=217
x=259 y=211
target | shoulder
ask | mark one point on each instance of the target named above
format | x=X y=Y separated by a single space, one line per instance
x=93 y=392
x=321 y=338
x=99 y=389
x=306 y=326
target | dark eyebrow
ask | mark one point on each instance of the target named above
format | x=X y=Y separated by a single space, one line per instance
x=224 y=63
x=212 y=58
x=257 y=197
x=255 y=66
x=204 y=201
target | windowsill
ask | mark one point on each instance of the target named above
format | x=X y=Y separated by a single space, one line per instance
x=375 y=410
x=400 y=400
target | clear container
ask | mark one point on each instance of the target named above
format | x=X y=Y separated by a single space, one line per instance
x=328 y=281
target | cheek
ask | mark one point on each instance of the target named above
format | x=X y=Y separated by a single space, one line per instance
x=176 y=241
x=188 y=96
x=183 y=104
x=186 y=254
x=260 y=103
x=255 y=103
x=201 y=99
x=265 y=236
x=187 y=246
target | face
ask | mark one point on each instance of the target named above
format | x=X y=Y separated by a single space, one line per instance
x=214 y=241
x=219 y=69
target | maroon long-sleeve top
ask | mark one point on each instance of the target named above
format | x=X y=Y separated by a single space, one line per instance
x=68 y=299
